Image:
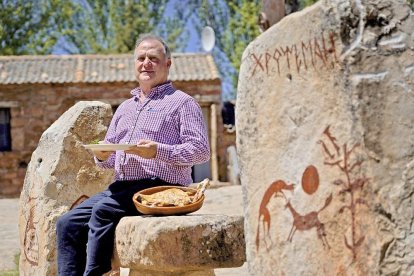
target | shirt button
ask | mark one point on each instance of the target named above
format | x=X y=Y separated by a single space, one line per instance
x=121 y=175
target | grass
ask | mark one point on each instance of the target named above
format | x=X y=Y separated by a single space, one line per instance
x=13 y=272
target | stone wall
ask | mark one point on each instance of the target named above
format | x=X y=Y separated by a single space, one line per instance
x=34 y=107
x=325 y=137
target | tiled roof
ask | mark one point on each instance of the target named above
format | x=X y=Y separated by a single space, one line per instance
x=97 y=68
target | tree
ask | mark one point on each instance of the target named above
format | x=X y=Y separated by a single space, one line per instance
x=110 y=26
x=28 y=27
x=235 y=25
x=305 y=3
x=242 y=29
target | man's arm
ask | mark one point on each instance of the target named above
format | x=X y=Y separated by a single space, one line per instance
x=102 y=155
x=145 y=148
x=194 y=147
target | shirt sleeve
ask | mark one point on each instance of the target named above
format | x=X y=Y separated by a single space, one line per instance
x=194 y=147
x=107 y=164
x=111 y=138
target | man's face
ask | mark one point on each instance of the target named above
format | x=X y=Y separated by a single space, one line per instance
x=151 y=64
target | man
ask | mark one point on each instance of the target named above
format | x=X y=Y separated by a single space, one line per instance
x=168 y=131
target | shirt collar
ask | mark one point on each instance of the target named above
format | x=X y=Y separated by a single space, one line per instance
x=154 y=91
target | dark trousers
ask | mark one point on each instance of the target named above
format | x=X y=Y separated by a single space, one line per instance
x=85 y=234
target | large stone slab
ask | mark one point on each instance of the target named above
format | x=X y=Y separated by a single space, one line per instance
x=60 y=175
x=325 y=138
x=179 y=245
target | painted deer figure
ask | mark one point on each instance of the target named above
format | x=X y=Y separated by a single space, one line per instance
x=275 y=190
x=308 y=221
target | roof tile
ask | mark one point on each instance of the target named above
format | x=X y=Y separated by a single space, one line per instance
x=98 y=68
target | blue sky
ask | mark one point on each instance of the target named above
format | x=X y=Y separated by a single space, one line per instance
x=193 y=46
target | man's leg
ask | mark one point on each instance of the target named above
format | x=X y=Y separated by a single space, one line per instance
x=105 y=216
x=72 y=235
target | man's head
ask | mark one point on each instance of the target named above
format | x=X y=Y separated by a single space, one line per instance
x=152 y=61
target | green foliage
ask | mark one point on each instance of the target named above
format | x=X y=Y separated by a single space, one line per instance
x=31 y=27
x=14 y=272
x=235 y=25
x=306 y=3
x=9 y=273
x=242 y=29
x=85 y=26
x=109 y=26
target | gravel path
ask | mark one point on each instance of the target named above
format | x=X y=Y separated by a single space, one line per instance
x=9 y=231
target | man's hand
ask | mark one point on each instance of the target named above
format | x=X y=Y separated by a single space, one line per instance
x=102 y=155
x=145 y=148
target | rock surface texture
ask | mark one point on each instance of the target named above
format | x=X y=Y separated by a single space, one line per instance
x=179 y=245
x=60 y=175
x=325 y=139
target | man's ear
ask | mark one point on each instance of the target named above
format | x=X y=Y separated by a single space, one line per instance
x=169 y=63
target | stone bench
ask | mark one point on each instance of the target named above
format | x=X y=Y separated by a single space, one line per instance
x=179 y=245
x=62 y=173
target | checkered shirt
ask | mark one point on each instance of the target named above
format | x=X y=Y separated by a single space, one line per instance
x=169 y=117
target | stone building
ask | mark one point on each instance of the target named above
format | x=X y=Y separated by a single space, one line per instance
x=36 y=90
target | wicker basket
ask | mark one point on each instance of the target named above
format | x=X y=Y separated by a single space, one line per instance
x=168 y=210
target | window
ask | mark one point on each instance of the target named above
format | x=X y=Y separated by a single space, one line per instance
x=5 y=137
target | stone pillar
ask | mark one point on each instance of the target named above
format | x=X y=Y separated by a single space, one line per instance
x=60 y=175
x=325 y=138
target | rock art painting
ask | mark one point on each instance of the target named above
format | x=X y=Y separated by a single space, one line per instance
x=309 y=221
x=353 y=181
x=81 y=199
x=310 y=183
x=348 y=162
x=310 y=180
x=31 y=241
x=275 y=190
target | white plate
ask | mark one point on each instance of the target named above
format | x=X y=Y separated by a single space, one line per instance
x=108 y=147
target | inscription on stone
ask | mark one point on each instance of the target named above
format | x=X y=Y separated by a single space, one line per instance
x=314 y=54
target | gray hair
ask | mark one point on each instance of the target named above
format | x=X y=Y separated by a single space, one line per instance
x=149 y=36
